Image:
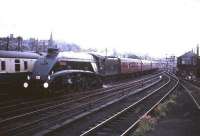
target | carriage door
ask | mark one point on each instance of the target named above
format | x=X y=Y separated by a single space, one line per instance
x=17 y=65
x=3 y=66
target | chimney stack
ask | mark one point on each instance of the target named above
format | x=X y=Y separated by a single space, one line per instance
x=197 y=49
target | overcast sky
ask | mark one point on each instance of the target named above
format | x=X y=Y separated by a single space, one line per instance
x=154 y=27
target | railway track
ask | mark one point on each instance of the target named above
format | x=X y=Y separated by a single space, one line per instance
x=20 y=102
x=86 y=120
x=122 y=122
x=132 y=109
x=193 y=92
x=133 y=126
x=31 y=120
x=28 y=106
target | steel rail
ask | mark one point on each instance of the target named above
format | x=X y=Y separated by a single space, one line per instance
x=21 y=105
x=87 y=113
x=190 y=94
x=39 y=120
x=127 y=132
x=121 y=112
x=63 y=103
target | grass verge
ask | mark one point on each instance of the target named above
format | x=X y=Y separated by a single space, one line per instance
x=148 y=122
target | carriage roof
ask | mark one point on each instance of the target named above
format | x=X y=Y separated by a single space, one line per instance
x=18 y=54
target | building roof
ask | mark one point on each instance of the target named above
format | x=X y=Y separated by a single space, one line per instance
x=188 y=54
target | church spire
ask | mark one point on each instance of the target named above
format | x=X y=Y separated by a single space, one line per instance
x=51 y=45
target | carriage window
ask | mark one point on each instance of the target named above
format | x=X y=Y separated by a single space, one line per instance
x=25 y=65
x=3 y=65
x=17 y=61
x=17 y=65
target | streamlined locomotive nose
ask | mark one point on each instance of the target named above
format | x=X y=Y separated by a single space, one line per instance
x=36 y=81
x=41 y=72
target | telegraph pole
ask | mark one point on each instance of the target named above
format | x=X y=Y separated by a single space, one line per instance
x=7 y=43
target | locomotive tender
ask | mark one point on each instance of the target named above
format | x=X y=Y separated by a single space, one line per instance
x=14 y=67
x=75 y=70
